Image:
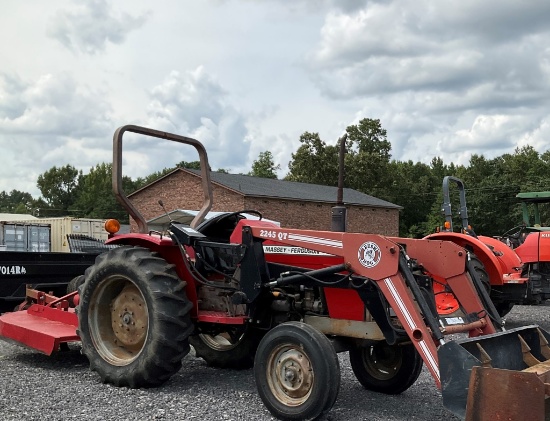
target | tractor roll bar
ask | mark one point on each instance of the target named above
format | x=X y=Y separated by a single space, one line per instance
x=117 y=172
x=446 y=207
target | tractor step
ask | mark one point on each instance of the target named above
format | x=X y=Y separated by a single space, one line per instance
x=40 y=327
x=220 y=317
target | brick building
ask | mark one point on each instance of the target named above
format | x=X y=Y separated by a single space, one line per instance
x=294 y=205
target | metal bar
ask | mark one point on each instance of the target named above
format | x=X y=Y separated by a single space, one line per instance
x=479 y=324
x=463 y=212
x=117 y=172
x=346 y=328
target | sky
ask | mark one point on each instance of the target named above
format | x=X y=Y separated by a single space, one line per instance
x=446 y=79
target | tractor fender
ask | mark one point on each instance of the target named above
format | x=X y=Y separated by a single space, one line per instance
x=497 y=258
x=509 y=259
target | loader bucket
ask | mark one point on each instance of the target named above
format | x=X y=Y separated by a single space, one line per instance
x=501 y=376
x=40 y=327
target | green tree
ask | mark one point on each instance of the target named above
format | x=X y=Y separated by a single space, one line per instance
x=16 y=202
x=314 y=162
x=264 y=166
x=59 y=187
x=96 y=199
x=368 y=158
x=416 y=188
x=192 y=165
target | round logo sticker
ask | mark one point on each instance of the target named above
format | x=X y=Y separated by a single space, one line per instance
x=369 y=254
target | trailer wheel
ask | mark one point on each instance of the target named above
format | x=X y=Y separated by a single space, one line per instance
x=74 y=283
x=73 y=286
x=384 y=368
x=134 y=318
x=297 y=372
x=232 y=349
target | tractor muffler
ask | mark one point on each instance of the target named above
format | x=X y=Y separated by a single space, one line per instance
x=501 y=376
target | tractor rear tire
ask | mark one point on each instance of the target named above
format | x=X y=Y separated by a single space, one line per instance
x=134 y=318
x=297 y=372
x=502 y=308
x=225 y=351
x=389 y=369
x=479 y=268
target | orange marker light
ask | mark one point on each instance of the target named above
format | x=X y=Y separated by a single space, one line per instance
x=447 y=225
x=112 y=226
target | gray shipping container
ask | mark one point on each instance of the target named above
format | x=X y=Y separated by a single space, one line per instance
x=22 y=236
x=62 y=226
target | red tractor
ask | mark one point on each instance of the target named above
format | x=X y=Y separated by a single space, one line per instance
x=221 y=286
x=515 y=276
x=531 y=242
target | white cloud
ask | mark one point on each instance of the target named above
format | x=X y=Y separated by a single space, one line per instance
x=53 y=122
x=89 y=27
x=192 y=104
x=445 y=79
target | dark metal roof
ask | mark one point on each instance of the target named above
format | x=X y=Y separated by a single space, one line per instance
x=292 y=190
x=538 y=197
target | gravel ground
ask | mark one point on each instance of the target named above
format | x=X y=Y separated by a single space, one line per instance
x=61 y=387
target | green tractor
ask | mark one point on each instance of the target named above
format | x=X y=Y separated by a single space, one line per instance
x=529 y=207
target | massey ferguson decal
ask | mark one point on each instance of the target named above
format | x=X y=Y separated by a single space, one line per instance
x=293 y=250
x=369 y=254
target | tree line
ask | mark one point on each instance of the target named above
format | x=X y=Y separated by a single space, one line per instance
x=491 y=184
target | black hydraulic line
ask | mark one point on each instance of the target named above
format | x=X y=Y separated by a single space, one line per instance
x=293 y=279
x=419 y=297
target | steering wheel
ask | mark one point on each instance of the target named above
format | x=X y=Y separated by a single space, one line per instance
x=514 y=232
x=513 y=237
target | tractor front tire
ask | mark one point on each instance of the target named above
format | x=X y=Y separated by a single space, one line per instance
x=227 y=349
x=389 y=369
x=134 y=318
x=297 y=372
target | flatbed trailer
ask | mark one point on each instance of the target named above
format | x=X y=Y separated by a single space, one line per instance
x=49 y=272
